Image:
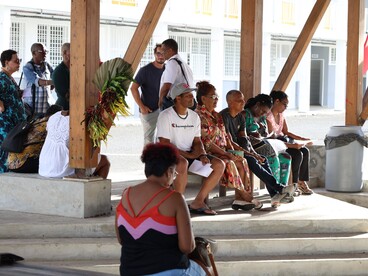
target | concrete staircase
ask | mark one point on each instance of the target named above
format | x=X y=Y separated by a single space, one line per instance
x=314 y=235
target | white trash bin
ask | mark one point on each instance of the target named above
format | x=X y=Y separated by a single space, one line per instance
x=344 y=163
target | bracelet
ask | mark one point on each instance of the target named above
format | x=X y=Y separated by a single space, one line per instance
x=202 y=155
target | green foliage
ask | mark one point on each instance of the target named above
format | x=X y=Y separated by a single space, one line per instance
x=112 y=78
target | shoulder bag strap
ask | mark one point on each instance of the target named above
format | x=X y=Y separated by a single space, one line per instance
x=182 y=70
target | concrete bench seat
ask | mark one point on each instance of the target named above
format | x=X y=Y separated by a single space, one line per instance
x=33 y=193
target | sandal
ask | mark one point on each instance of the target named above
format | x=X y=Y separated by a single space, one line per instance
x=206 y=211
x=304 y=188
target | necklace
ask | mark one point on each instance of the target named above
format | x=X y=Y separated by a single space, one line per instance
x=183 y=117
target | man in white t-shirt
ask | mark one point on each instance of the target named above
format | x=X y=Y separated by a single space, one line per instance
x=182 y=127
x=176 y=71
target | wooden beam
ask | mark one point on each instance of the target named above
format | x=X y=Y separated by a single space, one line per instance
x=251 y=47
x=84 y=61
x=354 y=61
x=144 y=32
x=301 y=44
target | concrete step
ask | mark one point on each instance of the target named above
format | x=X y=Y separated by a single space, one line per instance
x=344 y=265
x=234 y=246
x=359 y=199
x=63 y=249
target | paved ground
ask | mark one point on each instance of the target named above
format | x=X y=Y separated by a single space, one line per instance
x=125 y=143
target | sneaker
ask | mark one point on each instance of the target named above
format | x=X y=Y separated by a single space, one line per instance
x=297 y=192
x=244 y=205
x=276 y=200
x=304 y=188
x=287 y=199
x=290 y=189
x=258 y=204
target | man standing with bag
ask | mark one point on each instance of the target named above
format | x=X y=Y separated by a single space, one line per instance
x=148 y=80
x=37 y=74
x=176 y=71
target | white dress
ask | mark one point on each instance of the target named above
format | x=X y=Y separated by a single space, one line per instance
x=54 y=157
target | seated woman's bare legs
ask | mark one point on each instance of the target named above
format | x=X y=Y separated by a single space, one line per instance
x=181 y=180
x=209 y=183
x=246 y=193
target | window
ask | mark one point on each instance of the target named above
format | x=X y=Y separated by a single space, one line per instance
x=203 y=7
x=279 y=52
x=53 y=38
x=195 y=50
x=17 y=38
x=288 y=12
x=148 y=55
x=232 y=57
x=231 y=9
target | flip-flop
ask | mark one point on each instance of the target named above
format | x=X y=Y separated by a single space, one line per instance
x=202 y=211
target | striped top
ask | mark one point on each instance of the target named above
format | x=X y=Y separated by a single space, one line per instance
x=150 y=240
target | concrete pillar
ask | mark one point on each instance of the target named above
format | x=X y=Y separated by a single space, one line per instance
x=340 y=77
x=217 y=65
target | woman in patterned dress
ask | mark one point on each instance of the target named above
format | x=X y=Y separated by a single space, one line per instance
x=11 y=106
x=217 y=142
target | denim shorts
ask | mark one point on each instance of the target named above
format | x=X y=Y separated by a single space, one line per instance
x=193 y=270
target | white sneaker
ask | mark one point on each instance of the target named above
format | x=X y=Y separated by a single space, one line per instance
x=290 y=189
x=276 y=200
x=244 y=205
x=258 y=204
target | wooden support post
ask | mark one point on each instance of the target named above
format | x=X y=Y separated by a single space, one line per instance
x=251 y=48
x=301 y=45
x=354 y=61
x=84 y=55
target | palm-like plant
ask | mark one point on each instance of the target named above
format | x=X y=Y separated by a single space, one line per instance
x=112 y=78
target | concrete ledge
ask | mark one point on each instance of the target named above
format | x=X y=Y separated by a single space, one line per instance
x=32 y=193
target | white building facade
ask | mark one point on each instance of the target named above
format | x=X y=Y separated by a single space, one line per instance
x=208 y=34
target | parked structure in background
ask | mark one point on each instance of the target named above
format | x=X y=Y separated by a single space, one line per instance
x=209 y=42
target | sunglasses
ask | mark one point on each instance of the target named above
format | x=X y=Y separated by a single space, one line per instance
x=42 y=52
x=213 y=97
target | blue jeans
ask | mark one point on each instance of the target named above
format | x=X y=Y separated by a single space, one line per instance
x=193 y=270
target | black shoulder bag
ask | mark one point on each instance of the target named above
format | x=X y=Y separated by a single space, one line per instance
x=15 y=139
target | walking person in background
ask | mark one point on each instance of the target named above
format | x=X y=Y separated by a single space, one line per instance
x=176 y=71
x=152 y=221
x=276 y=122
x=37 y=75
x=61 y=78
x=148 y=81
x=11 y=107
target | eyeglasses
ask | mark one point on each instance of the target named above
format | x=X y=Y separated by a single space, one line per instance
x=175 y=173
x=42 y=51
x=213 y=97
x=284 y=104
x=18 y=60
x=159 y=54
